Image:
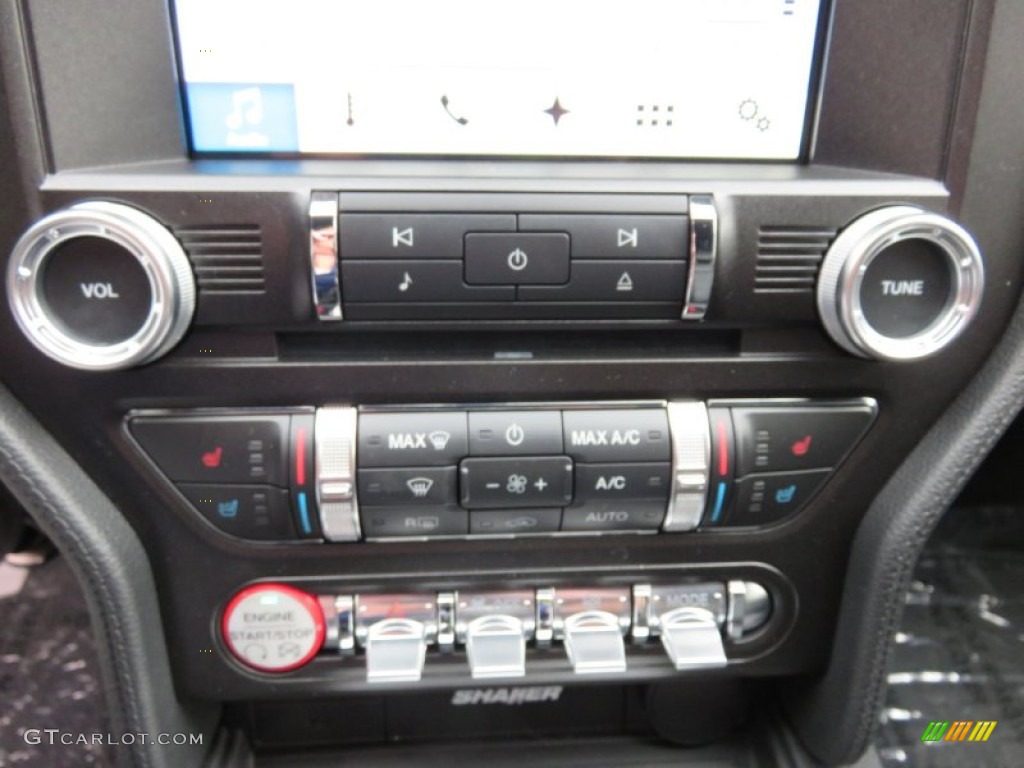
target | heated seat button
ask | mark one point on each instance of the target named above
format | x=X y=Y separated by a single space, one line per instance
x=764 y=499
x=627 y=435
x=517 y=259
x=413 y=281
x=617 y=237
x=96 y=290
x=413 y=235
x=417 y=439
x=217 y=449
x=510 y=433
x=507 y=522
x=608 y=482
x=614 y=516
x=615 y=281
x=258 y=512
x=431 y=486
x=414 y=522
x=542 y=481
x=773 y=439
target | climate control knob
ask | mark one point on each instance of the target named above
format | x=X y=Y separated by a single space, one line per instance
x=900 y=283
x=100 y=286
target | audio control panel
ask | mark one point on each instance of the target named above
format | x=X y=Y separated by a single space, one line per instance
x=598 y=257
x=344 y=473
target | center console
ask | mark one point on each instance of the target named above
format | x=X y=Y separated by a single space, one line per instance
x=424 y=376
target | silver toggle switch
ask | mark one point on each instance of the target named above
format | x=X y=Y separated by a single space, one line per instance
x=395 y=630
x=496 y=647
x=395 y=651
x=691 y=638
x=592 y=622
x=495 y=627
x=593 y=642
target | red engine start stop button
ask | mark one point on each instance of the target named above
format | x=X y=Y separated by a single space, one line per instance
x=273 y=627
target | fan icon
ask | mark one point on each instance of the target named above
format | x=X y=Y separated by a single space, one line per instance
x=516 y=484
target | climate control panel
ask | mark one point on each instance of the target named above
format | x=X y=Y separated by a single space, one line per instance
x=345 y=473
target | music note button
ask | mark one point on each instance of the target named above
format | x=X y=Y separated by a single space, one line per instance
x=413 y=281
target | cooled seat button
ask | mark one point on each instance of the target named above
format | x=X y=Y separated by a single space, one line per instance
x=273 y=627
x=763 y=499
x=248 y=511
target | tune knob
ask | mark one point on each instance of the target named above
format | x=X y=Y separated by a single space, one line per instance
x=100 y=286
x=900 y=283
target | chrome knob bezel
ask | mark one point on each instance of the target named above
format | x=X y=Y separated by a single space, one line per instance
x=167 y=269
x=846 y=263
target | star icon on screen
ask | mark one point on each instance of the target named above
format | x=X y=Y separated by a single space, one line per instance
x=557 y=111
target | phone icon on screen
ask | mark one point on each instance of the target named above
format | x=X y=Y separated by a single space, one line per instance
x=457 y=118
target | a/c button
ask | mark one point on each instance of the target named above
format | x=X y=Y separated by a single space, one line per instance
x=634 y=434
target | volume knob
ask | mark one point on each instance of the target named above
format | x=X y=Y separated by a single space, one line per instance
x=101 y=286
x=900 y=283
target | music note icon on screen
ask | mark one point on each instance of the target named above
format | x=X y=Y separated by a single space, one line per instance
x=247 y=108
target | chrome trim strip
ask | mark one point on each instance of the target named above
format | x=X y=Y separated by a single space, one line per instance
x=703 y=254
x=324 y=267
x=335 y=441
x=691 y=465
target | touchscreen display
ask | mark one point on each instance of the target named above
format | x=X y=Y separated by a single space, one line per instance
x=726 y=79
